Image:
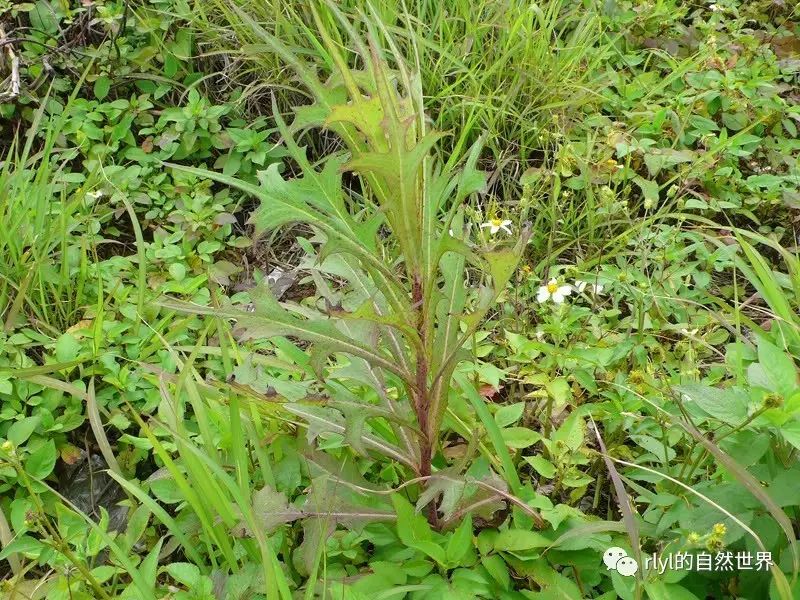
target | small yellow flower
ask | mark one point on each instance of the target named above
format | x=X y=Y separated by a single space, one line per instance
x=714 y=544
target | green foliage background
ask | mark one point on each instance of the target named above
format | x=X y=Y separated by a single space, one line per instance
x=169 y=430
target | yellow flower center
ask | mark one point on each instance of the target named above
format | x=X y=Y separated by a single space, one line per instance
x=552 y=288
x=497 y=222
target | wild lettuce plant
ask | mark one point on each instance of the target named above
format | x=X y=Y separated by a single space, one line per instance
x=387 y=219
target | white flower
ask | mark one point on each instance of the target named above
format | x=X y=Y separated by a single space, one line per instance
x=593 y=288
x=95 y=195
x=715 y=8
x=496 y=225
x=553 y=291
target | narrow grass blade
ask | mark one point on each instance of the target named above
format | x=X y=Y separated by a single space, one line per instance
x=624 y=505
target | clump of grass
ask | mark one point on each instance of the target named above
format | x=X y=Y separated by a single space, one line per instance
x=499 y=69
x=44 y=256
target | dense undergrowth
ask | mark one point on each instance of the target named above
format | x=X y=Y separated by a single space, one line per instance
x=399 y=300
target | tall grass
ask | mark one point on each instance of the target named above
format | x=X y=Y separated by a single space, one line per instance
x=44 y=256
x=496 y=68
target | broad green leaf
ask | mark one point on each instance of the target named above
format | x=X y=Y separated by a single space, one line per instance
x=23 y=544
x=779 y=367
x=790 y=431
x=519 y=437
x=101 y=87
x=560 y=391
x=21 y=430
x=414 y=530
x=67 y=348
x=497 y=568
x=554 y=585
x=41 y=462
x=727 y=405
x=543 y=466
x=502 y=264
x=659 y=590
x=149 y=565
x=460 y=543
x=517 y=540
x=571 y=432
x=509 y=414
x=184 y=573
x=450 y=305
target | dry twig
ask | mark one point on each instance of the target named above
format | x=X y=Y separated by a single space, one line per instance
x=13 y=90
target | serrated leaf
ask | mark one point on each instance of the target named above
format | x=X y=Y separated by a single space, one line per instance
x=271 y=509
x=326 y=420
x=270 y=319
x=340 y=504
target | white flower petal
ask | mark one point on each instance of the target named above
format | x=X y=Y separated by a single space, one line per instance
x=483 y=225
x=564 y=290
x=580 y=285
x=506 y=229
x=542 y=295
x=558 y=297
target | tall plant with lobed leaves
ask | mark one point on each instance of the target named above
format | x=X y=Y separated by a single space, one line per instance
x=400 y=243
